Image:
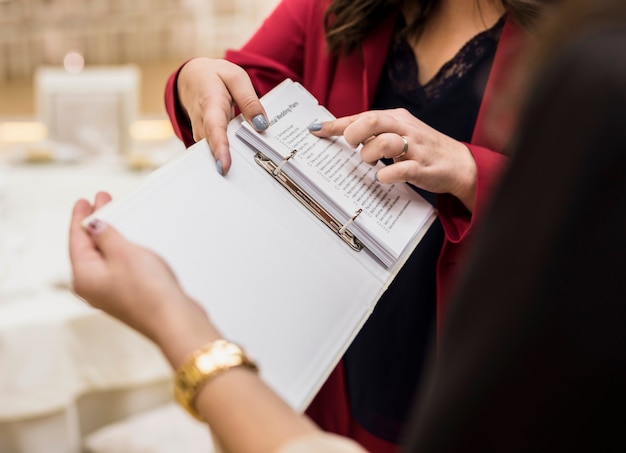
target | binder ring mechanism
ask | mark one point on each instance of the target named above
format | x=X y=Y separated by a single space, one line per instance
x=279 y=167
x=341 y=229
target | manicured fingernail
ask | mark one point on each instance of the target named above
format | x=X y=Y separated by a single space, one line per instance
x=260 y=123
x=97 y=227
x=376 y=177
x=220 y=169
x=315 y=127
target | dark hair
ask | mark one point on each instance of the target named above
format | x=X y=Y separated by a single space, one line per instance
x=569 y=20
x=572 y=18
x=347 y=22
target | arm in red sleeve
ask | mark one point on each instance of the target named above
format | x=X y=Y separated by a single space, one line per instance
x=458 y=222
x=178 y=116
x=494 y=126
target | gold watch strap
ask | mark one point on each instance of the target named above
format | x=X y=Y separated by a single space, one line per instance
x=205 y=363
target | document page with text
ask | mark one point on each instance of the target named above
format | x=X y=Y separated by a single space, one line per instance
x=385 y=217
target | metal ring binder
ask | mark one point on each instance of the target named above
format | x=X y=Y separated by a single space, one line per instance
x=280 y=166
x=350 y=221
x=340 y=229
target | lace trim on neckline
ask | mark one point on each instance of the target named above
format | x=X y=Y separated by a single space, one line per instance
x=404 y=69
x=464 y=60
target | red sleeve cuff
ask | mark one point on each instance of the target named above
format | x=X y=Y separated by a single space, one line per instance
x=178 y=117
x=456 y=219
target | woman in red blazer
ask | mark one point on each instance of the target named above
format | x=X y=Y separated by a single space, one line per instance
x=463 y=50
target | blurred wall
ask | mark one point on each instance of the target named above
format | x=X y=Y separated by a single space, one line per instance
x=42 y=32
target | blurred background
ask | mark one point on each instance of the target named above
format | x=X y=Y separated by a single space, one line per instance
x=156 y=35
x=63 y=63
x=82 y=110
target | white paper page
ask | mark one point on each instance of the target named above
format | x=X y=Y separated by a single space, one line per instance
x=271 y=276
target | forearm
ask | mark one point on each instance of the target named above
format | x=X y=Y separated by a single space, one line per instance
x=235 y=401
x=182 y=328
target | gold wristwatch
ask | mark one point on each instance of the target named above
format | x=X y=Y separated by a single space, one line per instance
x=205 y=363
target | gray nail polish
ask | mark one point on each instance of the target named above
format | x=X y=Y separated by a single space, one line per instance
x=220 y=169
x=376 y=177
x=315 y=127
x=260 y=123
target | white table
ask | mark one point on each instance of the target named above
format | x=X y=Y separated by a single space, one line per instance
x=65 y=368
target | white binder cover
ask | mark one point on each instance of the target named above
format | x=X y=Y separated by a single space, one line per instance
x=271 y=276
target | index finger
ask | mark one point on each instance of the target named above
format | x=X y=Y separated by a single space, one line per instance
x=245 y=98
x=334 y=127
x=215 y=125
x=239 y=87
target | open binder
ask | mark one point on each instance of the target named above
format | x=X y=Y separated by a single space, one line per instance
x=329 y=177
x=341 y=229
x=278 y=272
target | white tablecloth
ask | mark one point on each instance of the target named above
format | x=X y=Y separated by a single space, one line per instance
x=65 y=368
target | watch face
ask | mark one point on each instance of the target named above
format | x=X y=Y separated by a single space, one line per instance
x=206 y=363
x=221 y=355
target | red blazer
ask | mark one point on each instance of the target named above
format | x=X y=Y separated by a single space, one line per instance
x=291 y=43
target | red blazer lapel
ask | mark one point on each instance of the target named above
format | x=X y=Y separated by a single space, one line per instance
x=497 y=115
x=355 y=77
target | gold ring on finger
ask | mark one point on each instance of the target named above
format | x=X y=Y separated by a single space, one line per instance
x=405 y=148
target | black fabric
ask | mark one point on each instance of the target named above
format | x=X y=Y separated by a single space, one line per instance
x=383 y=366
x=533 y=354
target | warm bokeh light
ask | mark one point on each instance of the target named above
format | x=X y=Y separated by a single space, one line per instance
x=151 y=130
x=22 y=131
x=73 y=62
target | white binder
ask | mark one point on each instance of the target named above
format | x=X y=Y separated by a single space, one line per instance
x=271 y=275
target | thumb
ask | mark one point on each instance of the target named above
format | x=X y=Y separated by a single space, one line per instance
x=107 y=238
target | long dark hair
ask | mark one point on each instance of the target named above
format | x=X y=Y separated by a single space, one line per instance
x=574 y=17
x=347 y=22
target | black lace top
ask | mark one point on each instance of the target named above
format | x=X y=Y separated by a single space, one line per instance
x=449 y=102
x=383 y=366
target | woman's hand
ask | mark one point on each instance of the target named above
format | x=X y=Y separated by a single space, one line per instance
x=422 y=156
x=137 y=287
x=134 y=285
x=208 y=89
